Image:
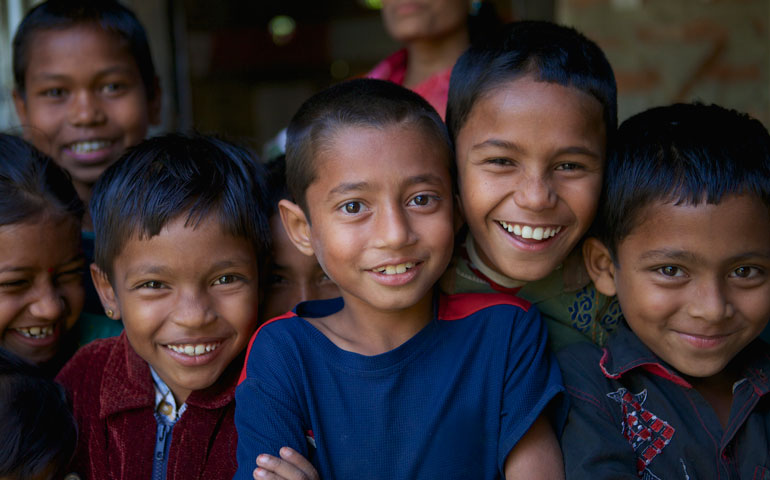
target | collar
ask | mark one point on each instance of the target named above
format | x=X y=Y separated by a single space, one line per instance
x=486 y=272
x=625 y=352
x=127 y=383
x=165 y=403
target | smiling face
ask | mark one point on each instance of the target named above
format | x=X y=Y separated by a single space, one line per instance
x=381 y=216
x=84 y=101
x=695 y=292
x=530 y=159
x=409 y=20
x=294 y=276
x=188 y=298
x=41 y=291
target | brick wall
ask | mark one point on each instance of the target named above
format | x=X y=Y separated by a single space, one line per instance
x=665 y=51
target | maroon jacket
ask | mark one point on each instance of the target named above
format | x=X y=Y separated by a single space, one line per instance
x=113 y=400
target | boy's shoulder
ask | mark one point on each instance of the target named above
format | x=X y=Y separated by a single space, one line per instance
x=104 y=368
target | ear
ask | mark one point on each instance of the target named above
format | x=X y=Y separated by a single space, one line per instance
x=21 y=106
x=105 y=291
x=296 y=225
x=155 y=105
x=600 y=266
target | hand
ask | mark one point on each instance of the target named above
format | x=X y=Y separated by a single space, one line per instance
x=291 y=466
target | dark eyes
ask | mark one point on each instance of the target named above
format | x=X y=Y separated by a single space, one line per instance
x=352 y=207
x=152 y=284
x=421 y=200
x=670 y=271
x=225 y=280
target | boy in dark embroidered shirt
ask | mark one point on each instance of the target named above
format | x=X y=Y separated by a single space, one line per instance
x=391 y=380
x=181 y=232
x=681 y=389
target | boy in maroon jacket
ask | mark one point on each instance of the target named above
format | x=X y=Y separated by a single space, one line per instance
x=180 y=227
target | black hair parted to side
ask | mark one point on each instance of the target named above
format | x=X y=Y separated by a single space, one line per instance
x=680 y=154
x=31 y=184
x=165 y=177
x=549 y=52
x=364 y=103
x=110 y=15
x=38 y=431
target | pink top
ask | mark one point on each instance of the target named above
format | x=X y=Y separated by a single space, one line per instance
x=434 y=89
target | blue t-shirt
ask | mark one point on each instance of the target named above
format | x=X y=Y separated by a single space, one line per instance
x=451 y=402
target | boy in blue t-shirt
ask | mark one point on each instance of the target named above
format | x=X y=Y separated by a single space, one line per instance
x=681 y=389
x=393 y=380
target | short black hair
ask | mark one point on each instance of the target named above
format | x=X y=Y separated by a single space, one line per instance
x=277 y=189
x=680 y=154
x=38 y=430
x=31 y=184
x=164 y=177
x=362 y=102
x=110 y=15
x=551 y=53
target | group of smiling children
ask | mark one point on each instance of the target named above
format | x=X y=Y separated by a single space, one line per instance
x=466 y=261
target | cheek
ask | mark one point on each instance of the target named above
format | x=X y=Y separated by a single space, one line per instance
x=582 y=199
x=133 y=116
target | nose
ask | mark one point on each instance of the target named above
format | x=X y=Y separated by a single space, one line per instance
x=193 y=309
x=393 y=227
x=86 y=109
x=710 y=303
x=535 y=193
x=49 y=304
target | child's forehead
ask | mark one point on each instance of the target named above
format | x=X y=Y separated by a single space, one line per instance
x=78 y=37
x=735 y=225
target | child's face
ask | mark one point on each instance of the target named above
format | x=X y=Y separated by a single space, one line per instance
x=381 y=213
x=694 y=281
x=85 y=102
x=294 y=276
x=411 y=20
x=530 y=159
x=41 y=291
x=188 y=299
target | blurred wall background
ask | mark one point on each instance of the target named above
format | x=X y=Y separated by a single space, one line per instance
x=241 y=68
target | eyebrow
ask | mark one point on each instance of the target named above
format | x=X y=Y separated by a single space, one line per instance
x=684 y=255
x=504 y=144
x=44 y=76
x=77 y=258
x=343 y=188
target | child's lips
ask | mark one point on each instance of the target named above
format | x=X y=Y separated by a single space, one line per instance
x=396 y=273
x=703 y=341
x=194 y=352
x=530 y=233
x=38 y=335
x=89 y=151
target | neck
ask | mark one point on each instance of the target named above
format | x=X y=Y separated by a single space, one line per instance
x=427 y=57
x=717 y=390
x=365 y=330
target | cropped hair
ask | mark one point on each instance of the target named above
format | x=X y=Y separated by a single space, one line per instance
x=38 y=430
x=31 y=184
x=277 y=189
x=549 y=52
x=683 y=154
x=166 y=177
x=109 y=15
x=362 y=102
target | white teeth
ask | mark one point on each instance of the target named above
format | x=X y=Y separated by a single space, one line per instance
x=394 y=269
x=194 y=350
x=528 y=232
x=36 y=332
x=89 y=146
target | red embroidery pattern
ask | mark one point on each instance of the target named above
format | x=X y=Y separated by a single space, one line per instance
x=646 y=433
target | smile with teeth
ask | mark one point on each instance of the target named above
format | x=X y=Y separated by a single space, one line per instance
x=528 y=232
x=36 y=332
x=193 y=350
x=394 y=269
x=89 y=146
